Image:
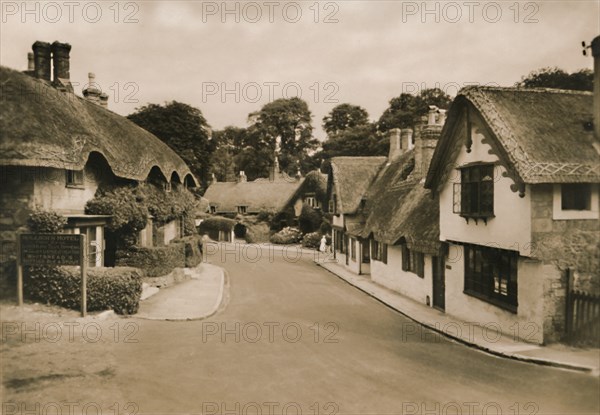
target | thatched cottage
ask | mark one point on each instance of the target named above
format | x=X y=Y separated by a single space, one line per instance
x=385 y=222
x=56 y=149
x=517 y=174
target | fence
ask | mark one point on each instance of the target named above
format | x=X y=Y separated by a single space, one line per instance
x=582 y=325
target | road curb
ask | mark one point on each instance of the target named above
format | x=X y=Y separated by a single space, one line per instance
x=514 y=356
x=213 y=310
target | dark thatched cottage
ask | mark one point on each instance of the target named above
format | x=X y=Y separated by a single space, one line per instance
x=517 y=175
x=385 y=222
x=56 y=149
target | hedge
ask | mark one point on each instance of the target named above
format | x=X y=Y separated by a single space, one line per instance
x=155 y=261
x=192 y=248
x=257 y=233
x=118 y=288
x=312 y=240
x=286 y=236
x=213 y=225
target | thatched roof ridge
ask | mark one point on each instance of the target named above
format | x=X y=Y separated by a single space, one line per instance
x=543 y=135
x=400 y=209
x=256 y=195
x=352 y=176
x=41 y=126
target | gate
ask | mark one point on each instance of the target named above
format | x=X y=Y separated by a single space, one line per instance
x=582 y=322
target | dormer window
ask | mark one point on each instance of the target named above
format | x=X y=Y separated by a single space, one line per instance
x=168 y=187
x=75 y=178
x=332 y=206
x=213 y=209
x=242 y=210
x=474 y=195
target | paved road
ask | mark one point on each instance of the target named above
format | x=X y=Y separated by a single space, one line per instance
x=295 y=338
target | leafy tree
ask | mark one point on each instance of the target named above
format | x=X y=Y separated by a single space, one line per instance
x=344 y=117
x=582 y=80
x=223 y=164
x=183 y=128
x=289 y=121
x=309 y=220
x=406 y=110
x=358 y=141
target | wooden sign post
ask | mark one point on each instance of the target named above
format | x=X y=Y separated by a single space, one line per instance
x=49 y=249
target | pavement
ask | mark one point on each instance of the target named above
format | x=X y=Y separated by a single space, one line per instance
x=194 y=299
x=557 y=355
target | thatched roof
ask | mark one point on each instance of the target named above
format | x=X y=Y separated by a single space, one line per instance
x=399 y=209
x=542 y=135
x=42 y=126
x=351 y=177
x=256 y=195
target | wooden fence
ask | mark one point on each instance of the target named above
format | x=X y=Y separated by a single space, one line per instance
x=582 y=325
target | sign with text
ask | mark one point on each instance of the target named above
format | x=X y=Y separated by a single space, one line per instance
x=50 y=249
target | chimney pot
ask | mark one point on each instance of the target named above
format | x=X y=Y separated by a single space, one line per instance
x=432 y=115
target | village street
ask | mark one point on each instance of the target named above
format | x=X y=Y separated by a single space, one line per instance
x=263 y=352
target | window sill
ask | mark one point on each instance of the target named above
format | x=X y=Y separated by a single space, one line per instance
x=75 y=186
x=477 y=217
x=493 y=301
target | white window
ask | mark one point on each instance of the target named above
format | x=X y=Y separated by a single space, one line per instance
x=168 y=187
x=575 y=201
x=310 y=201
x=242 y=209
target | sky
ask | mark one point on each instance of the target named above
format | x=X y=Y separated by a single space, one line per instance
x=230 y=58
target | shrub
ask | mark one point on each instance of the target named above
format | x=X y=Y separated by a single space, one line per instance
x=240 y=230
x=312 y=240
x=213 y=225
x=309 y=220
x=286 y=236
x=325 y=227
x=266 y=215
x=43 y=221
x=155 y=261
x=257 y=233
x=118 y=289
x=192 y=249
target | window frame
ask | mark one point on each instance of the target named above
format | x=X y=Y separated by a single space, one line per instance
x=481 y=264
x=242 y=209
x=558 y=213
x=472 y=189
x=413 y=261
x=75 y=178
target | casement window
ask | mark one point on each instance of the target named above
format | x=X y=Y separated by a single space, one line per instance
x=213 y=209
x=242 y=210
x=474 y=195
x=379 y=251
x=576 y=196
x=413 y=261
x=576 y=201
x=74 y=178
x=312 y=201
x=491 y=275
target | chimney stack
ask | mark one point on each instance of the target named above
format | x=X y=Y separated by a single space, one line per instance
x=60 y=60
x=93 y=93
x=596 y=55
x=30 y=63
x=406 y=140
x=395 y=146
x=274 y=171
x=42 y=60
x=242 y=177
x=427 y=140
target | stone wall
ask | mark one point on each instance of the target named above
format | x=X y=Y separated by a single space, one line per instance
x=573 y=243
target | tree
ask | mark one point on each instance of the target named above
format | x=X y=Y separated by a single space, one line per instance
x=344 y=117
x=406 y=110
x=582 y=80
x=362 y=140
x=183 y=128
x=289 y=121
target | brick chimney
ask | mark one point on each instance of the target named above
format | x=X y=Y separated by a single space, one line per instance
x=42 y=60
x=596 y=55
x=395 y=147
x=61 y=62
x=30 y=63
x=427 y=139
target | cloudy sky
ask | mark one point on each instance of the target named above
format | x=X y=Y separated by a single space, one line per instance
x=230 y=58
